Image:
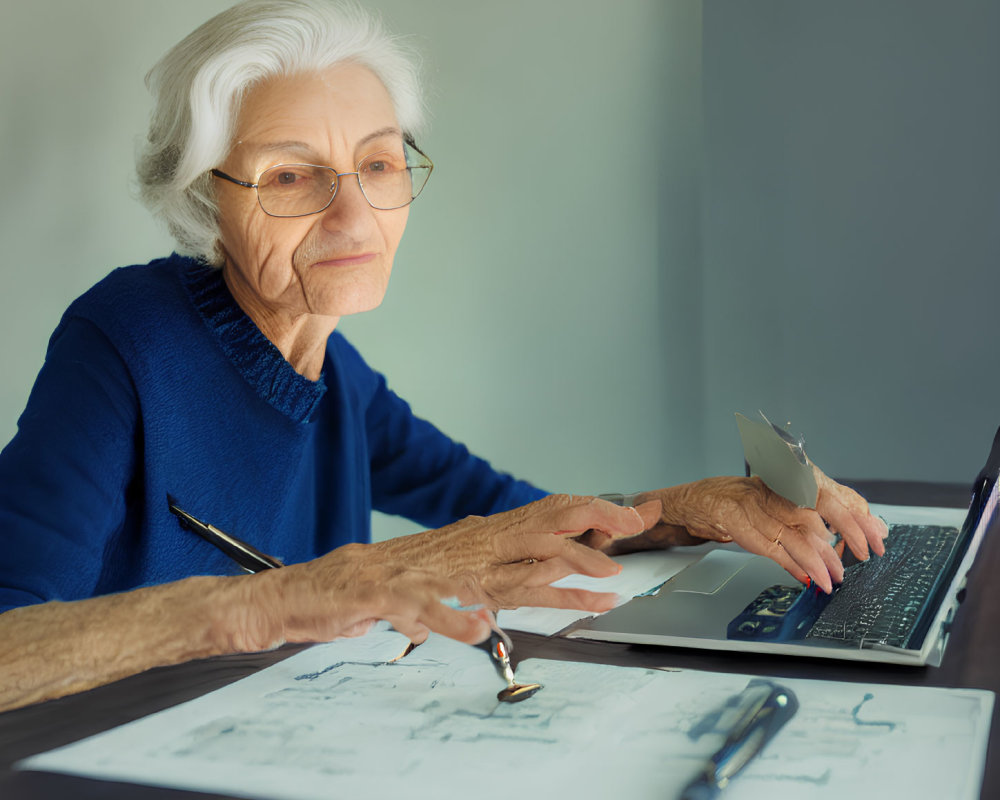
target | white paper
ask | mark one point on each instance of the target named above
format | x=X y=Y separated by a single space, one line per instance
x=338 y=721
x=641 y=573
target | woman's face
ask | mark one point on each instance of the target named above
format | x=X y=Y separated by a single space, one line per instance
x=332 y=263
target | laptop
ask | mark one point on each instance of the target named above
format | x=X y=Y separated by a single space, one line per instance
x=896 y=608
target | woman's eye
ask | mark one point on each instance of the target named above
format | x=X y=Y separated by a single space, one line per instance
x=281 y=178
x=383 y=164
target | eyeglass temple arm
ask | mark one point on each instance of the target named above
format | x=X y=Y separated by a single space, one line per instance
x=218 y=173
x=409 y=140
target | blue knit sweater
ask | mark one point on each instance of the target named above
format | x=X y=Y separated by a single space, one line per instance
x=156 y=382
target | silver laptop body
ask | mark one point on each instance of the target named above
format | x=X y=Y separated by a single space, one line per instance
x=735 y=601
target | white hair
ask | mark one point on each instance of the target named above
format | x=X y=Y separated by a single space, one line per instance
x=199 y=85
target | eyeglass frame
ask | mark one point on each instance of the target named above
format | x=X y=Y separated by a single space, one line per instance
x=407 y=140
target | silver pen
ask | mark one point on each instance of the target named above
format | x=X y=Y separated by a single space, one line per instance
x=764 y=708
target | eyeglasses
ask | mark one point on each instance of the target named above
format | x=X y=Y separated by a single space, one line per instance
x=388 y=180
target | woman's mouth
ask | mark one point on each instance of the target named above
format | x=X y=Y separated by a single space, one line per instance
x=346 y=261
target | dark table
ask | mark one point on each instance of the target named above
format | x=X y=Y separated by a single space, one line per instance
x=972 y=660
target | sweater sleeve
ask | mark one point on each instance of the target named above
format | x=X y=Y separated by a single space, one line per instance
x=63 y=476
x=420 y=473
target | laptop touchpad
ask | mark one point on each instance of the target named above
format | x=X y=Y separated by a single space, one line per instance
x=711 y=573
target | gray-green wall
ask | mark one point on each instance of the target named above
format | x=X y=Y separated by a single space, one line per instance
x=851 y=228
x=645 y=215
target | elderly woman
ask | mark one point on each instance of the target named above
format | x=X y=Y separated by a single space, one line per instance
x=282 y=156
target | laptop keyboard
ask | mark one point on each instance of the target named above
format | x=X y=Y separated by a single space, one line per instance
x=881 y=599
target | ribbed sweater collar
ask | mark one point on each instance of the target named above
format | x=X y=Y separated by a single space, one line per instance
x=254 y=356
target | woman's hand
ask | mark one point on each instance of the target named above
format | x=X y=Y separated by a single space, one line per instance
x=508 y=560
x=505 y=560
x=344 y=592
x=745 y=511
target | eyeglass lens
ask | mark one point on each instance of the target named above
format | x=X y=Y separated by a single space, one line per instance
x=388 y=180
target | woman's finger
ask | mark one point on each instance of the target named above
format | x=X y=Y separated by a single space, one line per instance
x=875 y=529
x=841 y=520
x=516 y=548
x=412 y=630
x=530 y=574
x=784 y=533
x=558 y=597
x=750 y=536
x=833 y=563
x=572 y=515
x=586 y=561
x=809 y=545
x=819 y=537
x=513 y=585
x=841 y=505
x=465 y=626
x=799 y=546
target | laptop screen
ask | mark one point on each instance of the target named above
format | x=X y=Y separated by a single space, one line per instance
x=982 y=511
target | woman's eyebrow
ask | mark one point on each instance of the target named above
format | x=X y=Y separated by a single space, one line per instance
x=308 y=151
x=389 y=131
x=289 y=146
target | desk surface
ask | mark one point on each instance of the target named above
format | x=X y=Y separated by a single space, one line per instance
x=972 y=660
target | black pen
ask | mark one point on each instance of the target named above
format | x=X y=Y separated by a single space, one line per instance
x=764 y=708
x=248 y=557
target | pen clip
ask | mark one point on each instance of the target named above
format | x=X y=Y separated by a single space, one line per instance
x=766 y=708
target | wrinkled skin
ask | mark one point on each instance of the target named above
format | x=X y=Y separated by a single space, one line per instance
x=745 y=511
x=502 y=561
x=509 y=559
x=506 y=559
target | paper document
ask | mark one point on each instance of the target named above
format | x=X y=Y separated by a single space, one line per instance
x=338 y=721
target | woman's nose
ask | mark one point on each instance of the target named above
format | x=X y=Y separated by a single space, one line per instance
x=350 y=211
